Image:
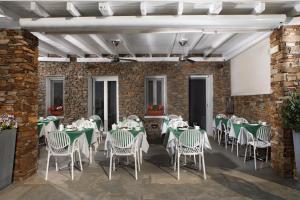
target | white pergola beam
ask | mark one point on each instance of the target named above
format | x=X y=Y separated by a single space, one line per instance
x=71 y=8
x=105 y=9
x=59 y=43
x=215 y=8
x=143 y=8
x=48 y=48
x=180 y=7
x=125 y=45
x=167 y=23
x=154 y=59
x=218 y=44
x=245 y=44
x=38 y=10
x=100 y=41
x=259 y=7
x=82 y=44
x=52 y=59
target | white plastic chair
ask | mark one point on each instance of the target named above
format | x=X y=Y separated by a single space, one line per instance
x=221 y=132
x=51 y=117
x=59 y=144
x=131 y=124
x=262 y=141
x=190 y=143
x=133 y=117
x=100 y=129
x=123 y=144
x=221 y=116
x=173 y=117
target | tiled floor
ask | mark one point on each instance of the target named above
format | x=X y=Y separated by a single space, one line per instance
x=227 y=178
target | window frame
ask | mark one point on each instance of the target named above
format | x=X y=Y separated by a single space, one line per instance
x=49 y=91
x=164 y=91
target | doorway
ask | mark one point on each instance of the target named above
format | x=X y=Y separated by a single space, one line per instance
x=106 y=99
x=201 y=101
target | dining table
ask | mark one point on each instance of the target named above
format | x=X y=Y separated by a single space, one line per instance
x=138 y=133
x=237 y=131
x=218 y=122
x=173 y=134
x=47 y=125
x=86 y=137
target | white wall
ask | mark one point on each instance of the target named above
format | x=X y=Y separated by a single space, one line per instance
x=251 y=71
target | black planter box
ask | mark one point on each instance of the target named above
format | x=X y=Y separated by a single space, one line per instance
x=7 y=155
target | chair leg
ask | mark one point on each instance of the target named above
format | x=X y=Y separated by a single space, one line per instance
x=91 y=155
x=178 y=166
x=138 y=161
x=200 y=162
x=225 y=140
x=237 y=149
x=56 y=165
x=141 y=156
x=203 y=163
x=185 y=159
x=254 y=150
x=80 y=162
x=195 y=161
x=114 y=163
x=72 y=166
x=47 y=168
x=110 y=166
x=175 y=156
x=246 y=153
x=135 y=167
x=267 y=155
x=233 y=140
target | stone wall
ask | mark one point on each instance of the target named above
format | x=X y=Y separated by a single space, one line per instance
x=18 y=94
x=131 y=84
x=285 y=77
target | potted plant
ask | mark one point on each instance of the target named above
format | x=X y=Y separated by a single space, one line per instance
x=291 y=119
x=8 y=131
x=56 y=110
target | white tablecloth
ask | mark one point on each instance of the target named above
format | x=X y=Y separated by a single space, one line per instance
x=141 y=140
x=172 y=140
x=47 y=128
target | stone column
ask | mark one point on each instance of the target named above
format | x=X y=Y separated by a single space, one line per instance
x=18 y=94
x=285 y=69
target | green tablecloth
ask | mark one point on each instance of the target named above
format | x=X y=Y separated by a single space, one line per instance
x=75 y=134
x=98 y=123
x=252 y=128
x=133 y=131
x=219 y=120
x=46 y=122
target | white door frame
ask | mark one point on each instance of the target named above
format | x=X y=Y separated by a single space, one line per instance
x=105 y=79
x=209 y=99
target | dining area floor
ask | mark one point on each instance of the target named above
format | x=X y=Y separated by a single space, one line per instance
x=228 y=177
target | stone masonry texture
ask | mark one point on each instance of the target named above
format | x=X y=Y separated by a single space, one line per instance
x=131 y=86
x=285 y=77
x=18 y=94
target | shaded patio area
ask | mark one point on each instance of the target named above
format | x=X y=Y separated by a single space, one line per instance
x=228 y=177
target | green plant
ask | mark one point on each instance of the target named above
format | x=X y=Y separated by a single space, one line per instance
x=291 y=112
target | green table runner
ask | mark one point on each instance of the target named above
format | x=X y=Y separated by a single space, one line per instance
x=75 y=134
x=46 y=122
x=252 y=128
x=133 y=131
x=98 y=122
x=219 y=120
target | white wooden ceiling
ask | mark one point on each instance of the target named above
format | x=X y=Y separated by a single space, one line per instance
x=148 y=30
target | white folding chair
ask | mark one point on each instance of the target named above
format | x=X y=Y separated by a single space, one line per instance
x=190 y=143
x=221 y=132
x=123 y=144
x=133 y=117
x=261 y=141
x=59 y=144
